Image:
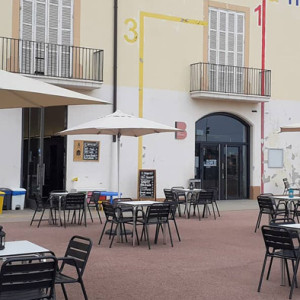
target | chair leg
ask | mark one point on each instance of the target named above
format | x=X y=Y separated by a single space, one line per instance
x=64 y=291
x=262 y=273
x=83 y=288
x=215 y=202
x=177 y=230
x=98 y=208
x=33 y=216
x=90 y=213
x=102 y=233
x=116 y=229
x=258 y=221
x=295 y=269
x=147 y=235
x=171 y=240
x=41 y=218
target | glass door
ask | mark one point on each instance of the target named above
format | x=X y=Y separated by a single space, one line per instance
x=220 y=168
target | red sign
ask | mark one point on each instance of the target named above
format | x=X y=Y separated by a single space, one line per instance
x=180 y=135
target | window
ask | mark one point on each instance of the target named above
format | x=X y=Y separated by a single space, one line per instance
x=226 y=47
x=46 y=30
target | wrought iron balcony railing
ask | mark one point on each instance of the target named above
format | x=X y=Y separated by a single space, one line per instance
x=206 y=77
x=51 y=60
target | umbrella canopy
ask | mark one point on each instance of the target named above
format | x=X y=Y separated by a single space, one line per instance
x=119 y=124
x=290 y=128
x=17 y=91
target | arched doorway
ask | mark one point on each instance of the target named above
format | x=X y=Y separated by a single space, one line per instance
x=222 y=155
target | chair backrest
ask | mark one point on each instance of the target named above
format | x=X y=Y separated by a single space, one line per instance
x=109 y=211
x=286 y=184
x=158 y=211
x=74 y=200
x=94 y=198
x=178 y=194
x=28 y=274
x=205 y=196
x=169 y=195
x=278 y=238
x=79 y=249
x=265 y=203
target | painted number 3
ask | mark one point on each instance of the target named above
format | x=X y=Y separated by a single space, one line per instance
x=132 y=25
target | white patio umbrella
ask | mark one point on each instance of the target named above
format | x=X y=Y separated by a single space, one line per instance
x=17 y=91
x=119 y=124
x=290 y=128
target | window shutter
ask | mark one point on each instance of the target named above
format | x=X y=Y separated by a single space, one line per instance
x=40 y=37
x=26 y=35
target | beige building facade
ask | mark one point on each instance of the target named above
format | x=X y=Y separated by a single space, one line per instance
x=225 y=71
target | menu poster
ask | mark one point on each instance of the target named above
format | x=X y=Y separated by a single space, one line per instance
x=147 y=185
x=86 y=150
x=91 y=150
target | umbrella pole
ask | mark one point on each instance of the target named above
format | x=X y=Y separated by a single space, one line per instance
x=118 y=153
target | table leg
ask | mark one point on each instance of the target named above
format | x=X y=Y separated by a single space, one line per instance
x=282 y=269
x=134 y=227
x=164 y=233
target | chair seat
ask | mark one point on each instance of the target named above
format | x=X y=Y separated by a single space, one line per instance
x=62 y=278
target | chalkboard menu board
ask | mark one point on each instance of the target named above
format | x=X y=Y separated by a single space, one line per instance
x=147 y=185
x=90 y=150
x=86 y=150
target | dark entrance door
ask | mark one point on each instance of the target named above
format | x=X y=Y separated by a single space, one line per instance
x=43 y=152
x=222 y=156
x=222 y=169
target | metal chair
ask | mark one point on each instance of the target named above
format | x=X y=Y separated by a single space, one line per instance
x=114 y=216
x=156 y=214
x=267 y=207
x=28 y=278
x=42 y=204
x=75 y=259
x=180 y=198
x=280 y=244
x=172 y=215
x=94 y=203
x=74 y=202
x=288 y=186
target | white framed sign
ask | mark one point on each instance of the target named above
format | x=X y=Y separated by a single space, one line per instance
x=275 y=158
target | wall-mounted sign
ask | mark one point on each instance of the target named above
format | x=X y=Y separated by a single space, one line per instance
x=86 y=150
x=210 y=163
x=180 y=135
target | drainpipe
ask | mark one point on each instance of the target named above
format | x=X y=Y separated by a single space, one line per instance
x=115 y=60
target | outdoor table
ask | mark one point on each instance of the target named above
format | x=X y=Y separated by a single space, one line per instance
x=288 y=201
x=135 y=205
x=20 y=248
x=188 y=192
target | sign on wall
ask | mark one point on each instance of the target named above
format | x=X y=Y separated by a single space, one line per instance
x=86 y=150
x=147 y=185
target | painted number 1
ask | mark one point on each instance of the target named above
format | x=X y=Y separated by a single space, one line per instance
x=132 y=29
x=258 y=9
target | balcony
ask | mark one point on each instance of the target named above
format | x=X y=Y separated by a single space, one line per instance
x=231 y=83
x=67 y=66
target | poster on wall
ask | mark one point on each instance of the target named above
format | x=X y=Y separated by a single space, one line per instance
x=147 y=185
x=86 y=150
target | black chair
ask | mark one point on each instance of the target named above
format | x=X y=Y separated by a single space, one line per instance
x=73 y=264
x=214 y=199
x=114 y=216
x=288 y=186
x=28 y=278
x=202 y=198
x=172 y=216
x=94 y=203
x=74 y=202
x=156 y=214
x=180 y=198
x=267 y=206
x=42 y=204
x=280 y=244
